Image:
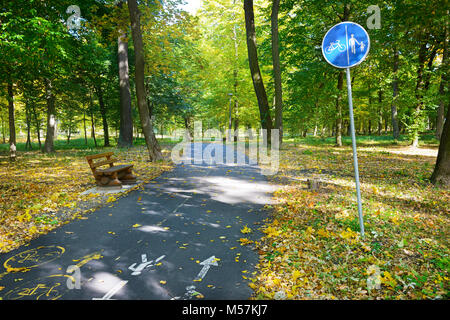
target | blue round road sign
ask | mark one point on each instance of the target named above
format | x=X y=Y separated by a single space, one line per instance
x=345 y=45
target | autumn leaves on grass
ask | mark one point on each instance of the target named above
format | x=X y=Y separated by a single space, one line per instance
x=312 y=249
x=37 y=187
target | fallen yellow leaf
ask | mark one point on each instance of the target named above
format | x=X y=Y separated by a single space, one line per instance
x=246 y=230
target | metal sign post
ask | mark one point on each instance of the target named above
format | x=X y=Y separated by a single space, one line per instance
x=355 y=156
x=344 y=46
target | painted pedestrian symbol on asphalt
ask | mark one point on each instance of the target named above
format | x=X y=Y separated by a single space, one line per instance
x=345 y=45
x=145 y=264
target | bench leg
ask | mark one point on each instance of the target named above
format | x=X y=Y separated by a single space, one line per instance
x=103 y=181
x=114 y=180
x=108 y=181
x=127 y=177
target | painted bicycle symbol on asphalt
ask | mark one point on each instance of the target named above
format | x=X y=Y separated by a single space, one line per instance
x=44 y=288
x=33 y=258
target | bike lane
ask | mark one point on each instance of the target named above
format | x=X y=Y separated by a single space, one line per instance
x=175 y=238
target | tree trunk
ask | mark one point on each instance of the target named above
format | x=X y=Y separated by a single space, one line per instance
x=152 y=144
x=93 y=127
x=3 y=130
x=338 y=131
x=235 y=78
x=37 y=123
x=103 y=110
x=419 y=92
x=394 y=115
x=236 y=121
x=51 y=119
x=126 y=120
x=277 y=70
x=28 y=123
x=441 y=173
x=12 y=123
x=443 y=96
x=441 y=111
x=386 y=124
x=258 y=85
x=69 y=133
x=369 y=107
x=84 y=127
x=345 y=17
x=230 y=121
x=380 y=111
x=91 y=113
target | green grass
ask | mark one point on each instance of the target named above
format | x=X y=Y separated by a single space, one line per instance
x=383 y=140
x=60 y=144
x=80 y=144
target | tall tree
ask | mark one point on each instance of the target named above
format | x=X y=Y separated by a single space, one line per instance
x=51 y=117
x=394 y=112
x=443 y=95
x=258 y=84
x=277 y=69
x=220 y=66
x=338 y=132
x=235 y=75
x=12 y=122
x=340 y=82
x=126 y=120
x=153 y=147
x=441 y=173
x=103 y=111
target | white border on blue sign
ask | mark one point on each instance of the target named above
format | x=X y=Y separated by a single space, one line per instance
x=363 y=58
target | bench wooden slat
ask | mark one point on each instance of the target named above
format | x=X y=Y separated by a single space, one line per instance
x=100 y=155
x=114 y=175
x=102 y=163
x=115 y=168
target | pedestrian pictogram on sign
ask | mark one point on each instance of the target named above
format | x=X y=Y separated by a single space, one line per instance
x=345 y=45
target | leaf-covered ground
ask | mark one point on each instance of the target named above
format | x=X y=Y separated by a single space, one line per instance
x=312 y=248
x=37 y=187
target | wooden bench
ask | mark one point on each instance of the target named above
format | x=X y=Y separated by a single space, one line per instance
x=113 y=175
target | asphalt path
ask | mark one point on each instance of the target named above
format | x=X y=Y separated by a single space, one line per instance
x=175 y=238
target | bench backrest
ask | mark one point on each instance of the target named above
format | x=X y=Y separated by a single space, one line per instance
x=94 y=165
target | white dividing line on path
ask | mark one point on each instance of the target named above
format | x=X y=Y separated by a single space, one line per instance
x=187 y=198
x=180 y=205
x=112 y=291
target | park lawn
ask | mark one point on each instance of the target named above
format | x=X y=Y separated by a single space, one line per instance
x=311 y=247
x=36 y=186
